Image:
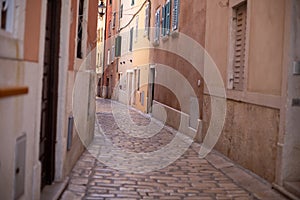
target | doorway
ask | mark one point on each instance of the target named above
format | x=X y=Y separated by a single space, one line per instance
x=49 y=93
x=151 y=89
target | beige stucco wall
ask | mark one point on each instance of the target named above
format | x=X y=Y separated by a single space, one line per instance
x=252 y=120
x=266 y=46
x=249 y=136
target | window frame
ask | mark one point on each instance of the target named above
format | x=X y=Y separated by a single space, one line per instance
x=231 y=58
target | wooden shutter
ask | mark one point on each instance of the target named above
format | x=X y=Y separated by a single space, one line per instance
x=239 y=47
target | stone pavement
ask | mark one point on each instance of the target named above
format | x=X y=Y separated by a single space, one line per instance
x=112 y=167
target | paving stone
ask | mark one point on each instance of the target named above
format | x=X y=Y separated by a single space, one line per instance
x=189 y=177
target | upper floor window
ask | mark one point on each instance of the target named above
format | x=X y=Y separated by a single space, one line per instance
x=80 y=29
x=157 y=26
x=147 y=20
x=121 y=11
x=114 y=20
x=136 y=28
x=7 y=15
x=109 y=28
x=175 y=15
x=166 y=17
x=132 y=2
x=131 y=39
x=238 y=41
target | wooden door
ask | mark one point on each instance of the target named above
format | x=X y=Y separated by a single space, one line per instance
x=49 y=93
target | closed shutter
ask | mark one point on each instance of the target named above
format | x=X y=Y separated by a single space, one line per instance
x=175 y=15
x=118 y=42
x=239 y=47
x=157 y=26
x=146 y=32
x=108 y=57
x=131 y=39
x=137 y=28
x=168 y=17
x=163 y=21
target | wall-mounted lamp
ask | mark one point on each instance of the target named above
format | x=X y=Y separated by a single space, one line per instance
x=101 y=9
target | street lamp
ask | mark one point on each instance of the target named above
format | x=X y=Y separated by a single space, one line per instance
x=101 y=9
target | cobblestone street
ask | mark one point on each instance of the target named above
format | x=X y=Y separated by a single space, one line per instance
x=189 y=177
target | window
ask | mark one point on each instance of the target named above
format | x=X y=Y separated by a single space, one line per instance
x=118 y=42
x=239 y=27
x=110 y=2
x=101 y=34
x=109 y=28
x=114 y=20
x=121 y=11
x=167 y=17
x=139 y=79
x=163 y=11
x=131 y=40
x=147 y=20
x=108 y=57
x=112 y=54
x=79 y=29
x=157 y=26
x=6 y=15
x=132 y=2
x=166 y=12
x=136 y=28
x=175 y=15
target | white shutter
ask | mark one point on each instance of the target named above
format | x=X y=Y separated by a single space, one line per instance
x=163 y=21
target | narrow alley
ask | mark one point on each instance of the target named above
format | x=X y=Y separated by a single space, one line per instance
x=189 y=177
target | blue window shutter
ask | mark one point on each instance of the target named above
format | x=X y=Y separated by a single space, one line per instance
x=168 y=18
x=175 y=15
x=163 y=21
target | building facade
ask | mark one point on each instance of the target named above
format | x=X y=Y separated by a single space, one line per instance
x=253 y=44
x=42 y=46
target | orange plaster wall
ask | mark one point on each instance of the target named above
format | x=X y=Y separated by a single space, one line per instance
x=32 y=30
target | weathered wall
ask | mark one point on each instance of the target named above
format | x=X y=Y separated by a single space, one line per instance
x=252 y=121
x=189 y=13
x=21 y=64
x=249 y=136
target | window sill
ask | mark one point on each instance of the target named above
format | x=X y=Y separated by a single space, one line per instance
x=175 y=33
x=165 y=38
x=155 y=43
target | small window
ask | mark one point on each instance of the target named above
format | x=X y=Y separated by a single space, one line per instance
x=109 y=28
x=239 y=27
x=131 y=39
x=112 y=54
x=108 y=57
x=80 y=29
x=147 y=20
x=121 y=11
x=114 y=20
x=132 y=2
x=136 y=28
x=110 y=2
x=6 y=15
x=157 y=26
